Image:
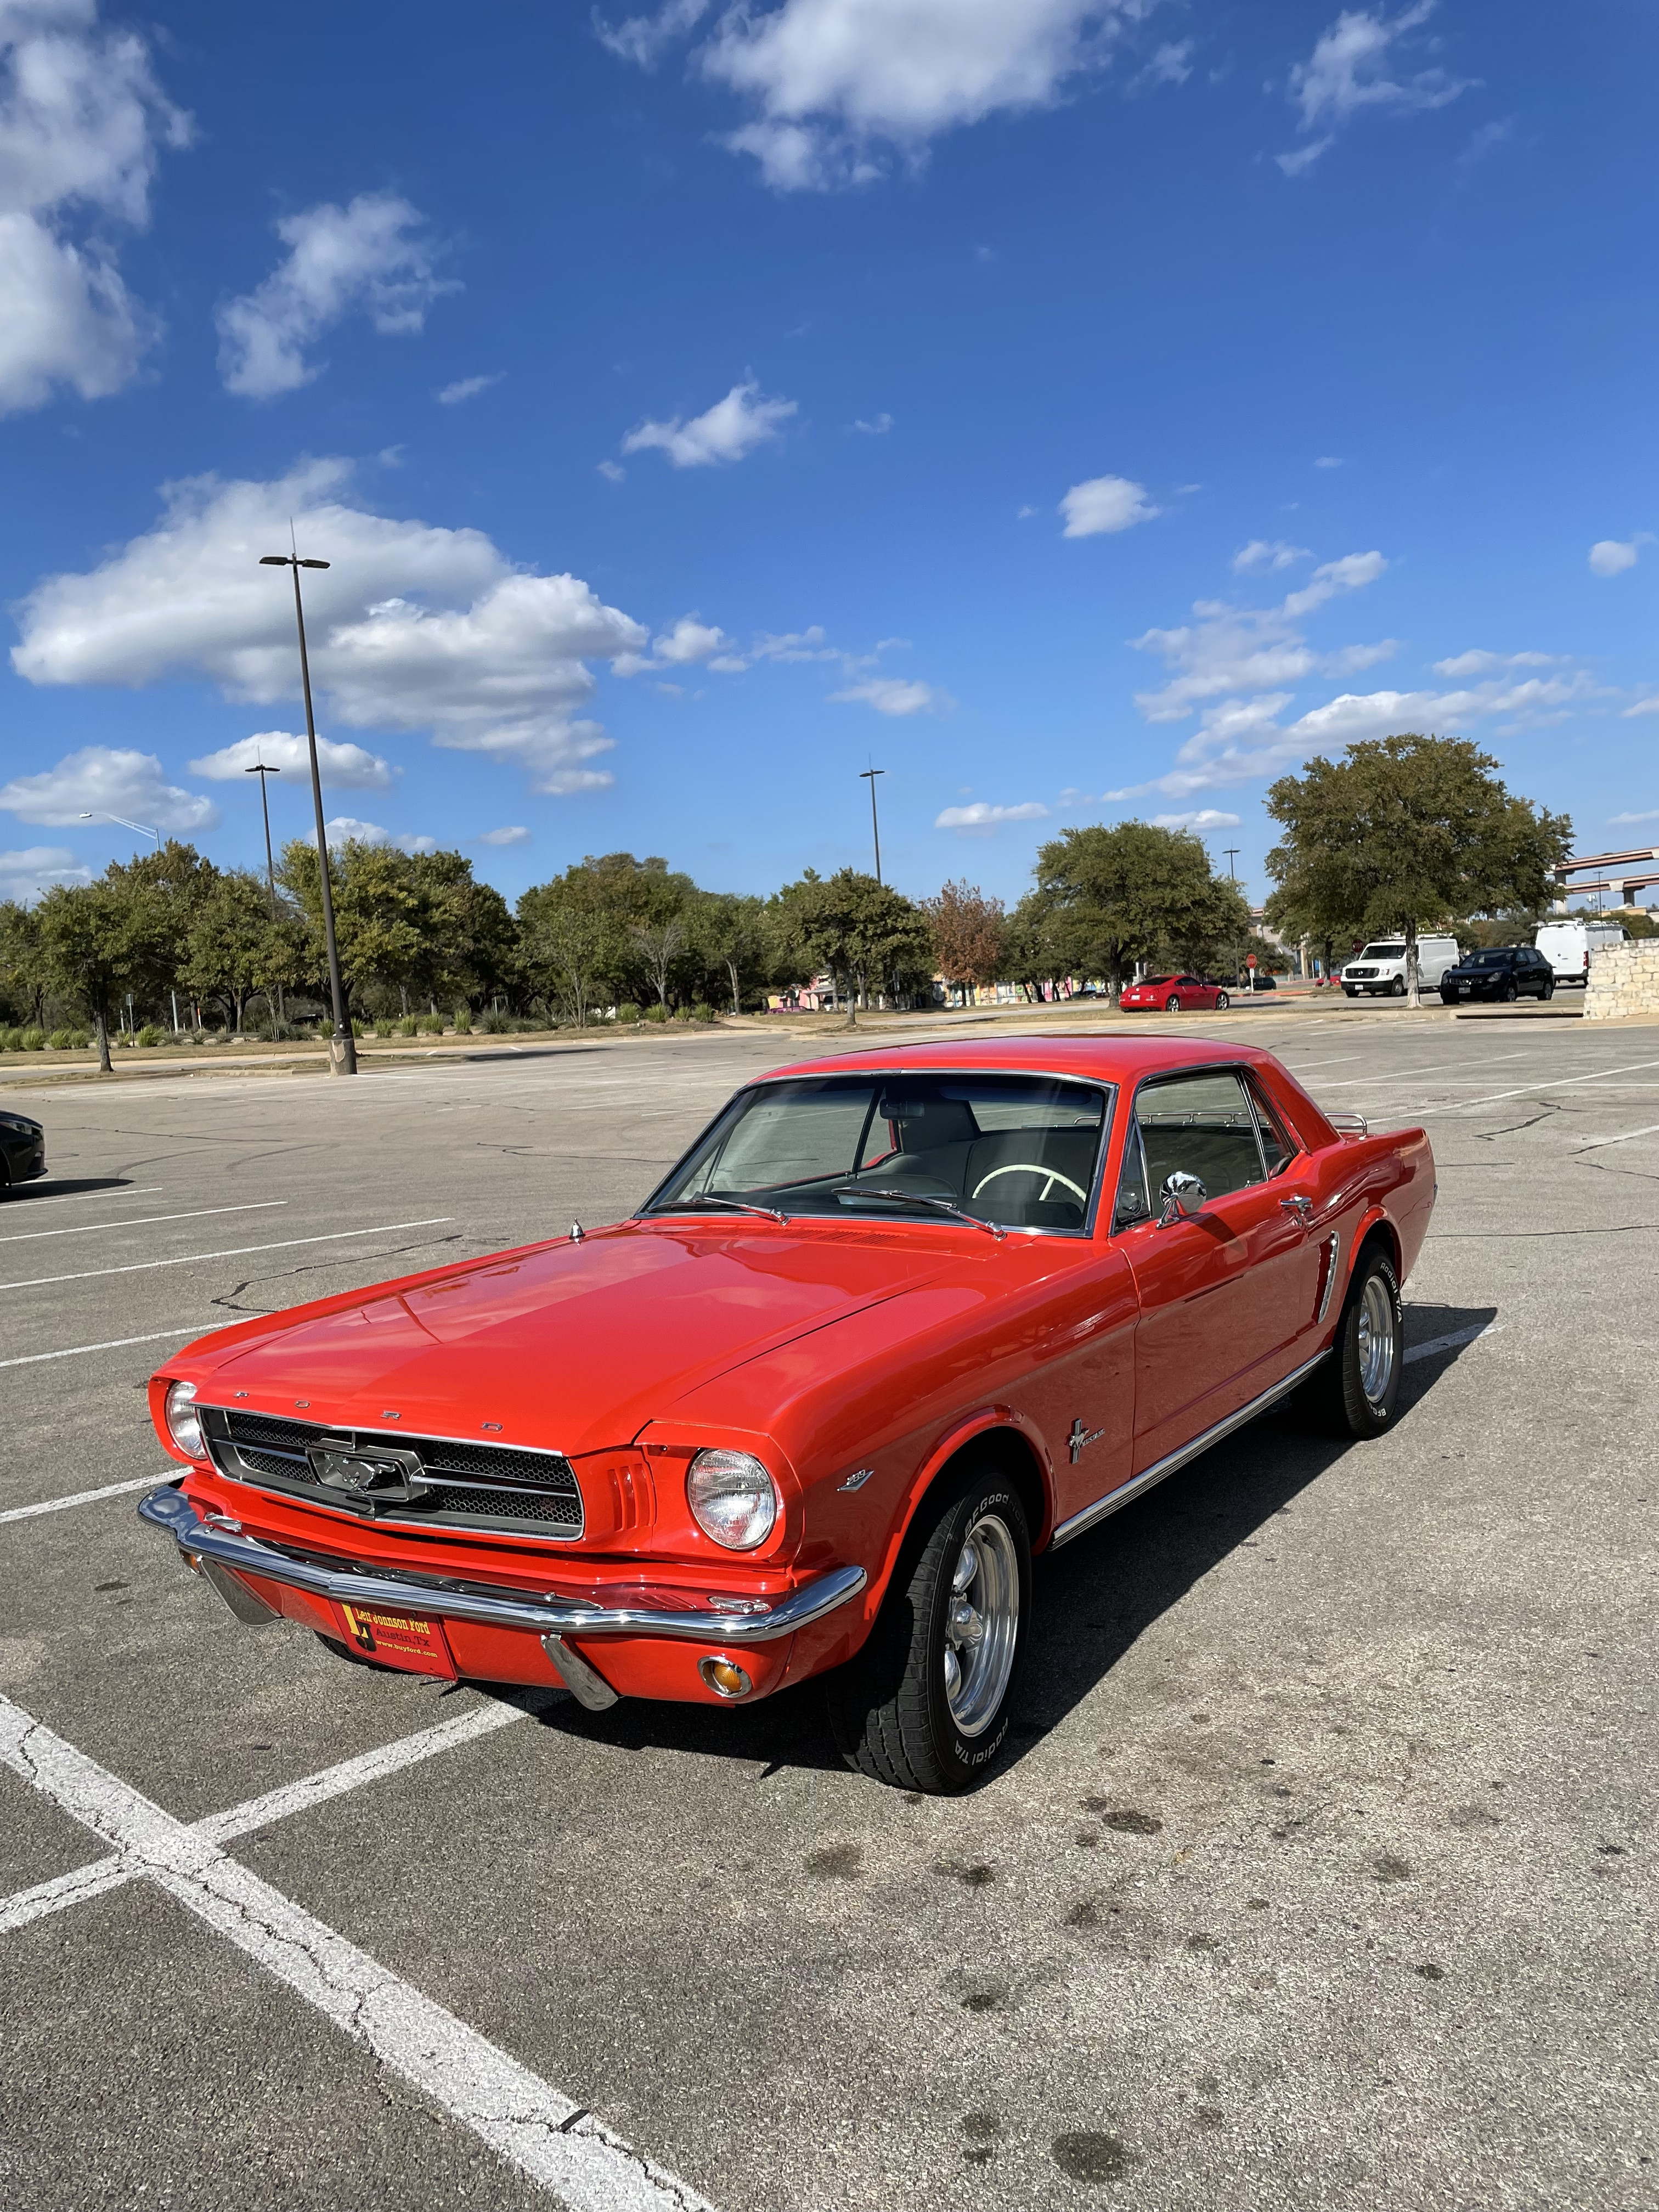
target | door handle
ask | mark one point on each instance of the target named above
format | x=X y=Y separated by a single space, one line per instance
x=1302 y=1207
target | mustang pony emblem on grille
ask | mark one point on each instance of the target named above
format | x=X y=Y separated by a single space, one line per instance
x=395 y=1476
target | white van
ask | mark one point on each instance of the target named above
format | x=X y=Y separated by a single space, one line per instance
x=1382 y=966
x=1567 y=945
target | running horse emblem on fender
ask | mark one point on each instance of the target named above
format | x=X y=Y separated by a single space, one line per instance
x=1081 y=1438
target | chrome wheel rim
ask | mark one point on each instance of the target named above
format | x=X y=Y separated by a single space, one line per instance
x=1375 y=1339
x=982 y=1625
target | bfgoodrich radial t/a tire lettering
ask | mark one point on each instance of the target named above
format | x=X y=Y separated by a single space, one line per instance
x=926 y=1704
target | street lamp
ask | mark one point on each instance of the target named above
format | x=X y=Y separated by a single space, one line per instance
x=342 y=1047
x=262 y=771
x=143 y=829
x=868 y=775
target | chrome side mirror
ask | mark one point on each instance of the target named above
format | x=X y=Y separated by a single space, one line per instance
x=1182 y=1196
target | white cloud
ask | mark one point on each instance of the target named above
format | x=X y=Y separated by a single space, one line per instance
x=1477 y=663
x=28 y=875
x=82 y=123
x=1172 y=63
x=368 y=255
x=346 y=829
x=835 y=86
x=1485 y=141
x=793 y=645
x=514 y=834
x=894 y=695
x=1206 y=817
x=414 y=628
x=726 y=431
x=979 y=815
x=1269 y=553
x=467 y=388
x=1648 y=814
x=100 y=780
x=878 y=428
x=690 y=642
x=1254 y=649
x=1328 y=461
x=345 y=767
x=613 y=471
x=1104 y=504
x=1610 y=557
x=1348 y=71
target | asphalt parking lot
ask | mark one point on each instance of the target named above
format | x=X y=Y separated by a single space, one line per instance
x=1320 y=1875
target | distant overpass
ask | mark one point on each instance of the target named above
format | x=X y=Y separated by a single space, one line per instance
x=1627 y=873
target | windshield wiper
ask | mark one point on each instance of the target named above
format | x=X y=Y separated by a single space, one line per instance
x=718 y=1198
x=919 y=1198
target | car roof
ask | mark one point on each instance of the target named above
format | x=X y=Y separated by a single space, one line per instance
x=1112 y=1059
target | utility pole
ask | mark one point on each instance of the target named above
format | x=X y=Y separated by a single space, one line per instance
x=262 y=772
x=868 y=775
x=342 y=1046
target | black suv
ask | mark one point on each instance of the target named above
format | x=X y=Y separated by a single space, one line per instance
x=1501 y=971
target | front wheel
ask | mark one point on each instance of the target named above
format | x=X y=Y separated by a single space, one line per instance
x=1510 y=994
x=1356 y=1391
x=1222 y=1002
x=925 y=1705
x=1397 y=989
x=1351 y=990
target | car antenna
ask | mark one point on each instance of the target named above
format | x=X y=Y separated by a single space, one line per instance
x=577 y=1232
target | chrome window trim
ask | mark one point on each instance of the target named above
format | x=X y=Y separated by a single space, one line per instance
x=1109 y=1085
x=1138 y=1484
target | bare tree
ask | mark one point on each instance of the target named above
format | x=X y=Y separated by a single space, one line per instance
x=659 y=944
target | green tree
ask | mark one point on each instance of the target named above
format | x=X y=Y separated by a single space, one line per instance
x=1409 y=832
x=100 y=939
x=24 y=978
x=237 y=946
x=970 y=932
x=729 y=933
x=470 y=949
x=569 y=940
x=870 y=937
x=1134 y=891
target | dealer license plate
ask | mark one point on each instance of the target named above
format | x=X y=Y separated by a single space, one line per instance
x=408 y=1640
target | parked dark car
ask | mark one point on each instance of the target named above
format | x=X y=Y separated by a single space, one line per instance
x=22 y=1150
x=1499 y=971
x=1261 y=980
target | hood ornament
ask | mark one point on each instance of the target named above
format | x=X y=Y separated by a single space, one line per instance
x=578 y=1234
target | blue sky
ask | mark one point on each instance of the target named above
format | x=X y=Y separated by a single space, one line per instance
x=1076 y=410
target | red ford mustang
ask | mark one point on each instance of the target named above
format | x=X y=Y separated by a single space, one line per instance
x=1173 y=994
x=897 y=1321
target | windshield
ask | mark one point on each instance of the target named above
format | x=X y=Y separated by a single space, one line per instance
x=1019 y=1151
x=1382 y=952
x=1502 y=956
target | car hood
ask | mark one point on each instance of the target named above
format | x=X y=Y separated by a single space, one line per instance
x=572 y=1346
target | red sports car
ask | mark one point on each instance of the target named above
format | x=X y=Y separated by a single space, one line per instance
x=1173 y=994
x=897 y=1321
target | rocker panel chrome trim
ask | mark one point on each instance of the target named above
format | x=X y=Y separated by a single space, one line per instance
x=1138 y=1484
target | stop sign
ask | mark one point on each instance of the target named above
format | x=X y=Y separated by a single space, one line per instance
x=1250 y=960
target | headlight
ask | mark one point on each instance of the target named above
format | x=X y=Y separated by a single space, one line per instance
x=184 y=1422
x=733 y=1499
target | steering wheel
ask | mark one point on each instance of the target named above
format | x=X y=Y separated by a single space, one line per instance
x=1024 y=1167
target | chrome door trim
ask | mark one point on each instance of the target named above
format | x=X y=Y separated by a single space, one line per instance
x=1138 y=1484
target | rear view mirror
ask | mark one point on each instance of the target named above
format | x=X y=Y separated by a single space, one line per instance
x=1182 y=1196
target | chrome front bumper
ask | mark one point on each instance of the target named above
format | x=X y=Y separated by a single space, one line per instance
x=219 y=1544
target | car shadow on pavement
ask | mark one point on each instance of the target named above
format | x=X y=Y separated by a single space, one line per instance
x=1093 y=1600
x=62 y=1186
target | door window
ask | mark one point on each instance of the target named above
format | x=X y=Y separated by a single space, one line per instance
x=1200 y=1125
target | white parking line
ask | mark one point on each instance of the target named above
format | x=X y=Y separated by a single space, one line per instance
x=74 y=1197
x=145 y=1221
x=86 y=1497
x=101 y=1876
x=1565 y=1082
x=524 y=2120
x=114 y=1343
x=1453 y=1337
x=1652 y=1128
x=1437 y=1067
x=236 y=1252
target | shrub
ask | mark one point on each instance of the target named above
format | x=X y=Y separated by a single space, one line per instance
x=32 y=1040
x=410 y=1025
x=430 y=1024
x=61 y=1040
x=702 y=1012
x=11 y=1040
x=385 y=1029
x=656 y=1014
x=628 y=1011
x=463 y=1021
x=150 y=1035
x=494 y=1023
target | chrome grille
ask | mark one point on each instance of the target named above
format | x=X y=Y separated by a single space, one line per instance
x=494 y=1486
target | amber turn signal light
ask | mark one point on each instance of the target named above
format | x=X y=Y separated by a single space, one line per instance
x=724 y=1677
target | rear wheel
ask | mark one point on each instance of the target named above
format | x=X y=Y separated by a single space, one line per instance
x=1547 y=990
x=1172 y=1004
x=1357 y=1389
x=925 y=1705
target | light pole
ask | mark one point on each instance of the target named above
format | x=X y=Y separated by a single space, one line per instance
x=262 y=771
x=143 y=829
x=342 y=1047
x=868 y=775
x=1232 y=853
